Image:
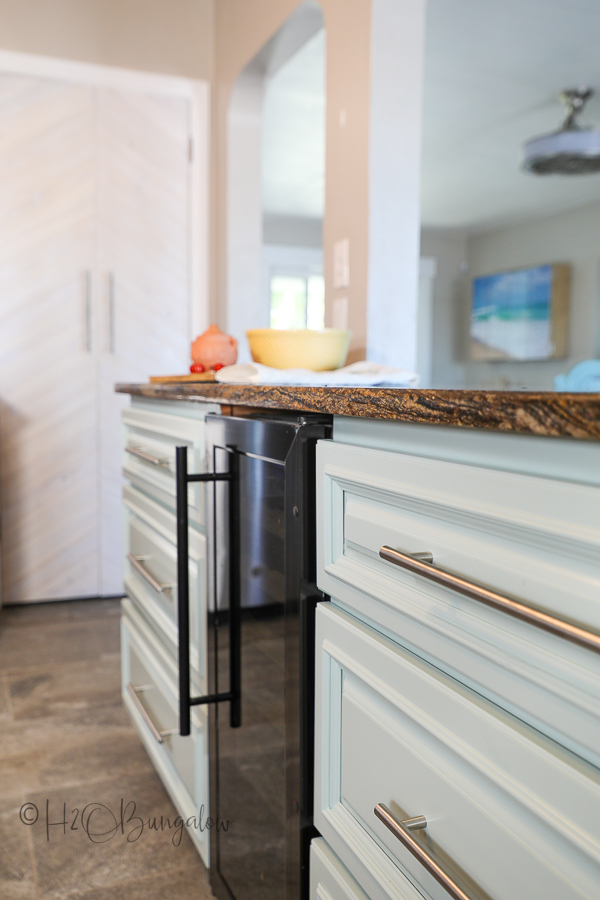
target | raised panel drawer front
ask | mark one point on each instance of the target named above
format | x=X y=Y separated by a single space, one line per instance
x=535 y=540
x=509 y=814
x=149 y=687
x=151 y=572
x=330 y=880
x=149 y=443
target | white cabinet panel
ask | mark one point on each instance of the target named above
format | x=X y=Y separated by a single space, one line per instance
x=142 y=268
x=150 y=537
x=48 y=384
x=95 y=263
x=535 y=539
x=329 y=879
x=157 y=435
x=509 y=814
x=152 y=702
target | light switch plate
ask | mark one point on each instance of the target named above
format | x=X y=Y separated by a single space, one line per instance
x=341 y=264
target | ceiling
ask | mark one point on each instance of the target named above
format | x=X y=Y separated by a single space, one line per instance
x=293 y=163
x=492 y=72
x=493 y=69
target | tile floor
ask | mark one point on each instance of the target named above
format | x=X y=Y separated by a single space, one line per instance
x=66 y=742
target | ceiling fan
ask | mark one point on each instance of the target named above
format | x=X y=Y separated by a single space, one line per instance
x=572 y=150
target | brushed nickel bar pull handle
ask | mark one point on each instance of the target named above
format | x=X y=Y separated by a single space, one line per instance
x=88 y=310
x=415 y=563
x=401 y=830
x=147 y=457
x=133 y=693
x=136 y=562
x=111 y=312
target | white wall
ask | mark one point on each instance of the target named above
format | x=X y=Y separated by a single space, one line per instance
x=571 y=237
x=374 y=75
x=293 y=231
x=396 y=99
x=244 y=209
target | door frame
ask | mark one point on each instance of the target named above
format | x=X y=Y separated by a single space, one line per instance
x=198 y=94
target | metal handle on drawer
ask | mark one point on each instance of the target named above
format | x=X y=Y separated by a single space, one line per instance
x=402 y=830
x=147 y=457
x=186 y=701
x=111 y=312
x=133 y=693
x=88 y=310
x=136 y=562
x=421 y=564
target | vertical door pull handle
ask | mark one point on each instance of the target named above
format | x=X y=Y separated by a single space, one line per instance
x=111 y=312
x=186 y=701
x=87 y=291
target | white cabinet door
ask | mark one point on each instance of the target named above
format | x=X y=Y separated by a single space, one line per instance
x=48 y=373
x=143 y=270
x=509 y=814
x=94 y=289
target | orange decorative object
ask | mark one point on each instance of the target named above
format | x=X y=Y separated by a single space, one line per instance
x=213 y=348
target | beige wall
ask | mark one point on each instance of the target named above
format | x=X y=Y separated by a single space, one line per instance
x=168 y=36
x=241 y=29
x=568 y=237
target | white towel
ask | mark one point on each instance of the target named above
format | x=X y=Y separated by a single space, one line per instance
x=359 y=374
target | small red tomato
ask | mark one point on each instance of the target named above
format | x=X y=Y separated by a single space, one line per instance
x=196 y=367
x=217 y=366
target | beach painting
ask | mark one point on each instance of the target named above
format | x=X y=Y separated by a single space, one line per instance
x=520 y=315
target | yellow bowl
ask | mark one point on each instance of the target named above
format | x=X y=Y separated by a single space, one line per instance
x=302 y=348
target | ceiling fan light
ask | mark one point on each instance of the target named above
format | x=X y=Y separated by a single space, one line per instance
x=569 y=152
x=573 y=150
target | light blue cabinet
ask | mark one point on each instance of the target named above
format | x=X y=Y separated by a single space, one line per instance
x=436 y=704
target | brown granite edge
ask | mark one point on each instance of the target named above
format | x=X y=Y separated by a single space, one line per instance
x=548 y=413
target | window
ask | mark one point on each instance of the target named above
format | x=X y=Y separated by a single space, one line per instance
x=297 y=301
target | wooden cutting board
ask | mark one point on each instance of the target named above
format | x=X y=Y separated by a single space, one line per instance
x=191 y=376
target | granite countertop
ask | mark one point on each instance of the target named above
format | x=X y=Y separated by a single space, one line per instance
x=522 y=412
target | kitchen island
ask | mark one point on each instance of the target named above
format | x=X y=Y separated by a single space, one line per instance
x=458 y=663
x=522 y=412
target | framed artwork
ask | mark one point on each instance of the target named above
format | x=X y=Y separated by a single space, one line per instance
x=520 y=315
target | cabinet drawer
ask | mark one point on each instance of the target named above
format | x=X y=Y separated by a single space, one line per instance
x=532 y=539
x=151 y=572
x=330 y=880
x=509 y=814
x=150 y=695
x=149 y=443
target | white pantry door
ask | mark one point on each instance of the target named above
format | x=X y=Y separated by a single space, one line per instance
x=48 y=446
x=143 y=272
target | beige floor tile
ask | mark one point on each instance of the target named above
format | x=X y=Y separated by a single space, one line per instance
x=66 y=739
x=56 y=644
x=186 y=885
x=78 y=693
x=70 y=861
x=47 y=754
x=36 y=615
x=17 y=880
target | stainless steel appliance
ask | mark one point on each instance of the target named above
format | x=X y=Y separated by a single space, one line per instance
x=261 y=527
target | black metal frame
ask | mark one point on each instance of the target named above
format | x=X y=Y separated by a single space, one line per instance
x=233 y=695
x=289 y=439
